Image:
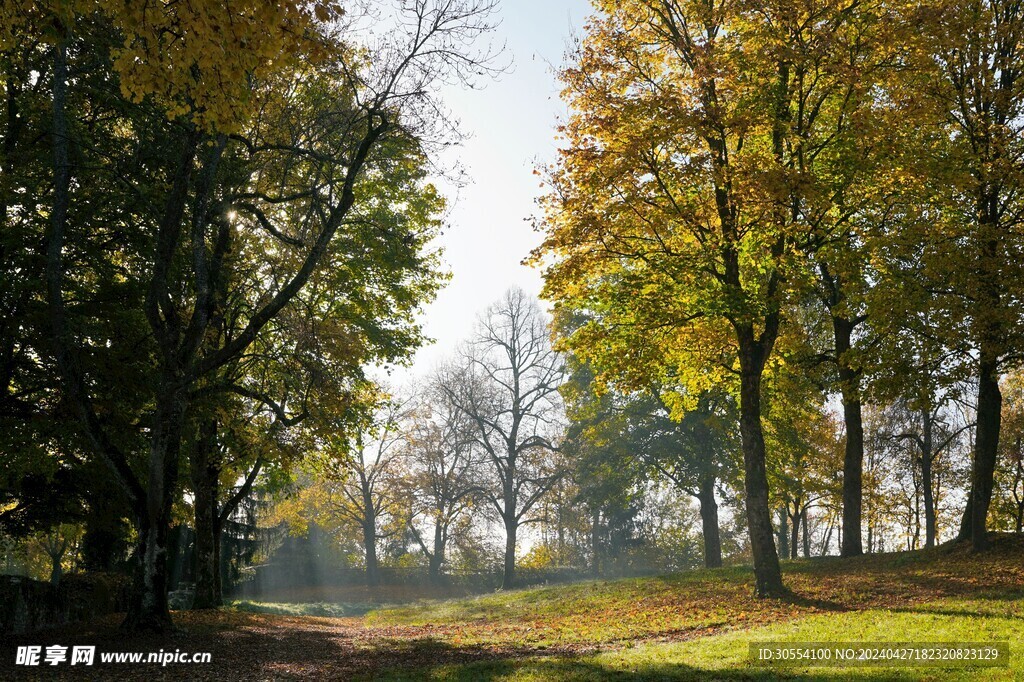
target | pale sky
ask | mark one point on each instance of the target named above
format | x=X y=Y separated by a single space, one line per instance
x=511 y=123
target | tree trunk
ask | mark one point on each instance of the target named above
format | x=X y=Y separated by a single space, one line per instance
x=794 y=544
x=915 y=540
x=147 y=609
x=986 y=448
x=927 y=484
x=783 y=532
x=509 y=573
x=853 y=459
x=510 y=502
x=595 y=542
x=437 y=557
x=56 y=570
x=205 y=472
x=827 y=538
x=806 y=534
x=370 y=547
x=1018 y=478
x=709 y=523
x=965 y=521
x=767 y=574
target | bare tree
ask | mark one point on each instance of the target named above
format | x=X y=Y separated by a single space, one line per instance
x=507 y=384
x=444 y=473
x=365 y=475
x=938 y=432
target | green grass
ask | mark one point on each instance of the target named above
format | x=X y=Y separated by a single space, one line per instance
x=698 y=626
x=724 y=656
x=324 y=609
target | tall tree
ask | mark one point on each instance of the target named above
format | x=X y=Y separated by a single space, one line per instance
x=365 y=468
x=636 y=433
x=178 y=111
x=1010 y=489
x=444 y=473
x=507 y=383
x=709 y=150
x=932 y=435
x=974 y=87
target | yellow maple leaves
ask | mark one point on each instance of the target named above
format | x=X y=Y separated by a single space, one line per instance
x=196 y=59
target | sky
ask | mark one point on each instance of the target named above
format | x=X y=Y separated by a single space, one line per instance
x=510 y=123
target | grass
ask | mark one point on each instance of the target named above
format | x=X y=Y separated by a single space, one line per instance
x=698 y=626
x=340 y=601
x=693 y=626
x=724 y=656
x=323 y=609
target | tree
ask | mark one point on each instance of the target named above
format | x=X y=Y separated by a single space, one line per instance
x=56 y=543
x=1009 y=504
x=636 y=433
x=299 y=186
x=221 y=455
x=311 y=358
x=934 y=434
x=708 y=152
x=609 y=476
x=507 y=385
x=443 y=473
x=364 y=469
x=971 y=89
x=802 y=463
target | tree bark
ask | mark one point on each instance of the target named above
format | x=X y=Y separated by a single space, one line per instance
x=709 y=523
x=1018 y=478
x=806 y=535
x=56 y=569
x=370 y=547
x=148 y=609
x=508 y=575
x=827 y=538
x=794 y=545
x=205 y=472
x=853 y=458
x=783 y=533
x=767 y=573
x=436 y=559
x=928 y=491
x=986 y=448
x=370 y=540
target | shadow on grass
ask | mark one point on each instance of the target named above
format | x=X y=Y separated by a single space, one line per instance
x=589 y=670
x=252 y=646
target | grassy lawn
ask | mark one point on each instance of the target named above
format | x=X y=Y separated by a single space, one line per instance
x=724 y=656
x=699 y=625
x=694 y=626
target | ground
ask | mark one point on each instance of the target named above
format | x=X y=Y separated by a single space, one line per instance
x=690 y=626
